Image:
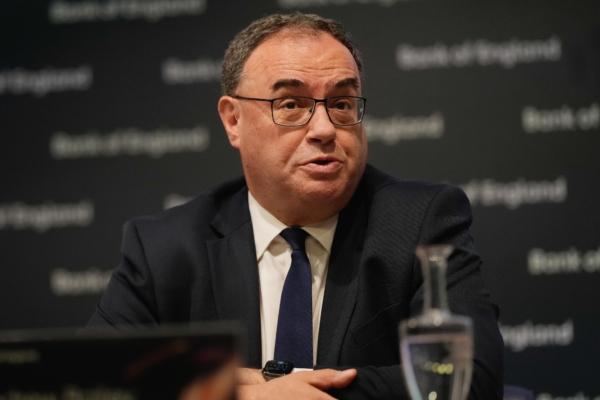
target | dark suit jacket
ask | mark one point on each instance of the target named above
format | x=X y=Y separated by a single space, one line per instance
x=197 y=262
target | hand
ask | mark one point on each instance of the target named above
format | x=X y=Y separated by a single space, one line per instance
x=300 y=385
x=249 y=376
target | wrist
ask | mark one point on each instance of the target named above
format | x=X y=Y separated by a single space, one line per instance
x=276 y=368
x=249 y=376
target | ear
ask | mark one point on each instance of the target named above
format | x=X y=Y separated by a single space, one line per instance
x=229 y=112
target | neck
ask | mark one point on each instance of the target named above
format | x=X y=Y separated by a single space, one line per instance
x=298 y=213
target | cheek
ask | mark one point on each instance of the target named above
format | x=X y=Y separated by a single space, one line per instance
x=254 y=133
x=265 y=154
x=361 y=139
x=355 y=144
x=286 y=148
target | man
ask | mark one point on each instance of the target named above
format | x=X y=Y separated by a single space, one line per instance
x=292 y=107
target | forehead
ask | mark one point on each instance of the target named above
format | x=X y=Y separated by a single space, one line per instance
x=315 y=59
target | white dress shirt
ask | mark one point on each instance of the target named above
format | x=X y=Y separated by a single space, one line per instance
x=274 y=258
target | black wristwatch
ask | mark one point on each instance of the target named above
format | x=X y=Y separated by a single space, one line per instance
x=274 y=369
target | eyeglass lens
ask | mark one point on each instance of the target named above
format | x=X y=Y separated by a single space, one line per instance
x=298 y=110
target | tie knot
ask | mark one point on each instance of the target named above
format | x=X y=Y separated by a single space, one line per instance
x=296 y=237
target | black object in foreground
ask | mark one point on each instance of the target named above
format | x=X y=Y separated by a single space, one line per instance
x=174 y=362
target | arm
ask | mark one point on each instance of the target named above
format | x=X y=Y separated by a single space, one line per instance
x=447 y=220
x=306 y=385
x=129 y=297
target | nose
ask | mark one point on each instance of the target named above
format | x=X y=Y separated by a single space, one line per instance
x=320 y=127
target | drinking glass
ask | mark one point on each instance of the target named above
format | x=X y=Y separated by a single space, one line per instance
x=436 y=347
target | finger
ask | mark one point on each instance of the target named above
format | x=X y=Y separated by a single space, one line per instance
x=315 y=377
x=282 y=388
x=343 y=378
x=327 y=378
x=311 y=392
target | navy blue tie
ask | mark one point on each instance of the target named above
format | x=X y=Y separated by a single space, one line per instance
x=294 y=325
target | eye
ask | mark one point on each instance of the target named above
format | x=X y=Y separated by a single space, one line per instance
x=289 y=103
x=292 y=103
x=342 y=104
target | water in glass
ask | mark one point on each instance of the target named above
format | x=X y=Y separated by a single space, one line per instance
x=436 y=347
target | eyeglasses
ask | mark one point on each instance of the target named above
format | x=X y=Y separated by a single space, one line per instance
x=298 y=110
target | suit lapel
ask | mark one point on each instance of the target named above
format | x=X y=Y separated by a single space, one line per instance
x=342 y=280
x=234 y=271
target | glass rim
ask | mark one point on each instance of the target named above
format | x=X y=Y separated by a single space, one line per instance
x=361 y=101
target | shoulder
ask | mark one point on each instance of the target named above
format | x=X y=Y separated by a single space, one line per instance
x=401 y=214
x=195 y=215
x=380 y=187
x=408 y=208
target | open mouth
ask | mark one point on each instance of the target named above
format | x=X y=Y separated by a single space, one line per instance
x=322 y=162
x=323 y=166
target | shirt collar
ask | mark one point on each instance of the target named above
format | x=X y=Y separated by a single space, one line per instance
x=266 y=228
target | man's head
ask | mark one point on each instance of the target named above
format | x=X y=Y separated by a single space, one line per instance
x=254 y=34
x=307 y=173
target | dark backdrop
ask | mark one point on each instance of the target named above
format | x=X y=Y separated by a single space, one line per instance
x=108 y=111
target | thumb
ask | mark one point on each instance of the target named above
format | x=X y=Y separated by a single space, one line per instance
x=343 y=378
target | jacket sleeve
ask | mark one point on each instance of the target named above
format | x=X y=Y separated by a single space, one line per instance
x=447 y=220
x=129 y=297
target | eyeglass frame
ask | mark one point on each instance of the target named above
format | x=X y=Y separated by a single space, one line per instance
x=317 y=101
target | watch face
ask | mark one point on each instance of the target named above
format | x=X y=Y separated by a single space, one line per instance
x=279 y=367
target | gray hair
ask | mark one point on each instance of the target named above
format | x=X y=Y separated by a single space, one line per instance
x=249 y=38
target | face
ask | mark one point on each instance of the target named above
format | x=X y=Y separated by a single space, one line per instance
x=300 y=174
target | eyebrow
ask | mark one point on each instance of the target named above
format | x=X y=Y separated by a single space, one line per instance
x=284 y=83
x=352 y=82
x=295 y=83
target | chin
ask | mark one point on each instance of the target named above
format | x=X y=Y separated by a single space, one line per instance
x=325 y=191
